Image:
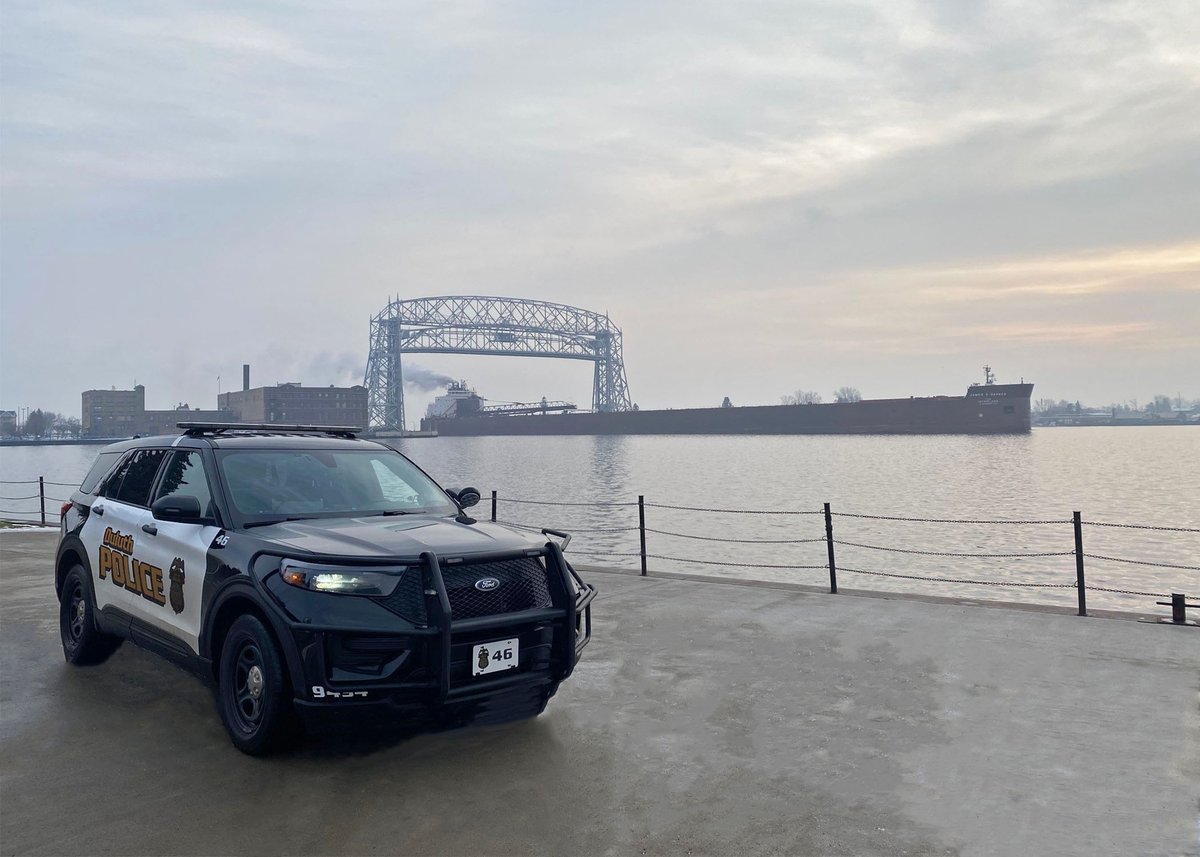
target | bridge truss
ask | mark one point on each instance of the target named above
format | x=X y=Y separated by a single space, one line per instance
x=474 y=324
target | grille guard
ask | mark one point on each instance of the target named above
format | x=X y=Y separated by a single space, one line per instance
x=570 y=599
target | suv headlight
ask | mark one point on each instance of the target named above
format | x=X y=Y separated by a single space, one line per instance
x=343 y=580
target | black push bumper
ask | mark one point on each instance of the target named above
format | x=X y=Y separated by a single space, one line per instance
x=429 y=674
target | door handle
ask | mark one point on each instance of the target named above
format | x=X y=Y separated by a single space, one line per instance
x=150 y=528
x=99 y=510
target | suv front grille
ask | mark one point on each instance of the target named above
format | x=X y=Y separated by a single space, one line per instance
x=522 y=586
x=408 y=599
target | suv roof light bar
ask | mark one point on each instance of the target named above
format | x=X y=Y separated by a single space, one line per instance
x=199 y=429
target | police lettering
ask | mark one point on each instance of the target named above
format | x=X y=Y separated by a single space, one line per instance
x=118 y=565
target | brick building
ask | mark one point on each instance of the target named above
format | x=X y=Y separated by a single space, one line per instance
x=296 y=404
x=122 y=413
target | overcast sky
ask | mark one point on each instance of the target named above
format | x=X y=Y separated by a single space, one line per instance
x=764 y=196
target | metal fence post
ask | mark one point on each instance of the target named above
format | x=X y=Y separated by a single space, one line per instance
x=642 y=528
x=42 y=497
x=493 y=504
x=829 y=545
x=1080 y=586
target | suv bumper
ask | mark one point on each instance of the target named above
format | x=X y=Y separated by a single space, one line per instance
x=425 y=672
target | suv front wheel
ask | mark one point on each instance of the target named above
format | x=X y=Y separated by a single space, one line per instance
x=253 y=696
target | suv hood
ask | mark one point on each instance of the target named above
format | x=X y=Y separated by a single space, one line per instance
x=395 y=537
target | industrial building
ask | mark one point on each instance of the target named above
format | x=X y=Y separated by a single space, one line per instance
x=122 y=413
x=292 y=402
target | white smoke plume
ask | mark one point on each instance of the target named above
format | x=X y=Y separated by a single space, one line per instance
x=425 y=379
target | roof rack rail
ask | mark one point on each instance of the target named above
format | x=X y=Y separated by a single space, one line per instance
x=200 y=429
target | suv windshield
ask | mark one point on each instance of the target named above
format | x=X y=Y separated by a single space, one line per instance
x=276 y=484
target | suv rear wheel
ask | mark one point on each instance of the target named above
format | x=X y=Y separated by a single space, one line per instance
x=83 y=643
x=253 y=695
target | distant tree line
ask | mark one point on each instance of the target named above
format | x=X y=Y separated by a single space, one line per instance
x=808 y=397
x=41 y=424
x=1159 y=405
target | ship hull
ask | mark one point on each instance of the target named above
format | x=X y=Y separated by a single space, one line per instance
x=997 y=409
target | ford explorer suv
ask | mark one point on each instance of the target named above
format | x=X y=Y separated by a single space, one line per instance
x=310 y=575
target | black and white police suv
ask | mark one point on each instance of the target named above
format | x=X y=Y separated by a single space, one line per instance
x=306 y=572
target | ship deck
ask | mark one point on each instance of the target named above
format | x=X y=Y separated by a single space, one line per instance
x=705 y=719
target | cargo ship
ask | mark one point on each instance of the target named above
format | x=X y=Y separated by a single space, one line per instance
x=987 y=408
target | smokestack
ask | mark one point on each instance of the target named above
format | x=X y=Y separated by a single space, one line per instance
x=245 y=376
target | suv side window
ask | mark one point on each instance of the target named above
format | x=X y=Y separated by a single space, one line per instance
x=140 y=471
x=185 y=474
x=110 y=486
x=104 y=463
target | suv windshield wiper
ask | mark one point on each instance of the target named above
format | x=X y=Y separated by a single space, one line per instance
x=387 y=512
x=273 y=521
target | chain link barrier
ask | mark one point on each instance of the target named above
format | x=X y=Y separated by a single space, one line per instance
x=945 y=520
x=954 y=553
x=706 y=561
x=734 y=511
x=556 y=503
x=35 y=482
x=1128 y=592
x=1142 y=562
x=1071 y=585
x=1142 y=527
x=571 y=530
x=738 y=541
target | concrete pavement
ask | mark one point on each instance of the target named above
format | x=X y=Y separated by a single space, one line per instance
x=705 y=719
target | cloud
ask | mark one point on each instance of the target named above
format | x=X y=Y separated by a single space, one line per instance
x=771 y=181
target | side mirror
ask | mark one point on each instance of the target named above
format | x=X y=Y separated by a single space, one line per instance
x=468 y=497
x=183 y=508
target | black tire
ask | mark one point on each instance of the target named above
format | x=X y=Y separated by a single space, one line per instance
x=83 y=643
x=254 y=696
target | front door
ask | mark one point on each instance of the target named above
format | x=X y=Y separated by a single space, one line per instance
x=181 y=549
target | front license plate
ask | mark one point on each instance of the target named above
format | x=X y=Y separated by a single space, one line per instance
x=495 y=657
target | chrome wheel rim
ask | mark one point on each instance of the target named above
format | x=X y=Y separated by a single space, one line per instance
x=76 y=614
x=249 y=685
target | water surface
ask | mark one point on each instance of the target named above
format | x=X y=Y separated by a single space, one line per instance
x=1125 y=475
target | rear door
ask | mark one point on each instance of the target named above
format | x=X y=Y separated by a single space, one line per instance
x=115 y=536
x=181 y=549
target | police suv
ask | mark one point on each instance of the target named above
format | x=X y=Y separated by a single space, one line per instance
x=306 y=572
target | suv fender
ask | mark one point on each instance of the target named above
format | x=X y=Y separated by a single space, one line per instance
x=71 y=544
x=236 y=596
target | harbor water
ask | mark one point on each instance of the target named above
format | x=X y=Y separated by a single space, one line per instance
x=1144 y=476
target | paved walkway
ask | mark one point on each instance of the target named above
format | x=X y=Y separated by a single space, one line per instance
x=706 y=719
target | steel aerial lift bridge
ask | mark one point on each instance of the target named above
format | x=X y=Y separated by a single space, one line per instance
x=474 y=324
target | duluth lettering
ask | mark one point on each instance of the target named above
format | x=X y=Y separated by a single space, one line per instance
x=118 y=565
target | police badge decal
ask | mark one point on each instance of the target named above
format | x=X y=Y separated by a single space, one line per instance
x=177 y=577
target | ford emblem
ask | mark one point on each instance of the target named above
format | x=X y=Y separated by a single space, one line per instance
x=486 y=584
